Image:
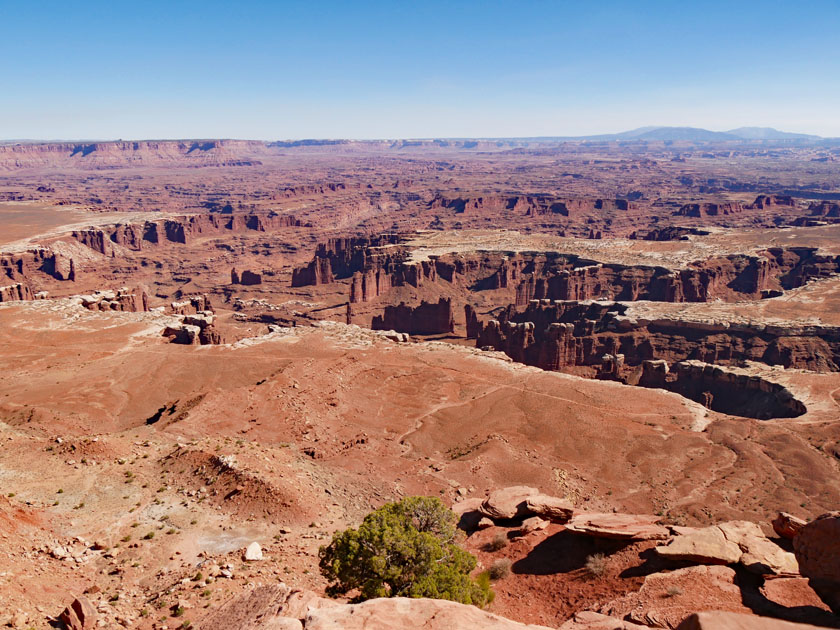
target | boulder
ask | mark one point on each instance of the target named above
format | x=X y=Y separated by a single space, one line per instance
x=618 y=526
x=787 y=525
x=253 y=552
x=666 y=599
x=718 y=620
x=728 y=543
x=588 y=620
x=80 y=615
x=467 y=511
x=707 y=545
x=817 y=549
x=508 y=503
x=760 y=554
x=399 y=613
x=550 y=508
x=532 y=524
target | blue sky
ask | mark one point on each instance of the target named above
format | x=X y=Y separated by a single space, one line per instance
x=270 y=70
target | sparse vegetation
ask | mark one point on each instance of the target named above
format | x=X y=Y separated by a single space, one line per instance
x=500 y=568
x=498 y=543
x=596 y=564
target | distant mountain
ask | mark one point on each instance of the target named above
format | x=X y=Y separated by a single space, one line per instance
x=691 y=134
x=696 y=134
x=768 y=133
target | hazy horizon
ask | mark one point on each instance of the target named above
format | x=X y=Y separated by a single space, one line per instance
x=375 y=70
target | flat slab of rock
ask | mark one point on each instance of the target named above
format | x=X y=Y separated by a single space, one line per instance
x=618 y=526
x=508 y=503
x=666 y=599
x=706 y=545
x=276 y=606
x=734 y=621
x=397 y=613
x=760 y=554
x=589 y=620
x=550 y=508
x=730 y=543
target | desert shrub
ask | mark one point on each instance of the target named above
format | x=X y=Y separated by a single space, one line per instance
x=596 y=564
x=673 y=591
x=498 y=543
x=500 y=568
x=405 y=549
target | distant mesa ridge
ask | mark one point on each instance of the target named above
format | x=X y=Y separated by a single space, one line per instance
x=225 y=152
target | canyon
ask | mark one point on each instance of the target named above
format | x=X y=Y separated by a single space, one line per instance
x=207 y=344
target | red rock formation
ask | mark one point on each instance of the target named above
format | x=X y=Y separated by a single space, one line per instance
x=246 y=278
x=708 y=209
x=186 y=153
x=191 y=305
x=425 y=319
x=179 y=229
x=527 y=205
x=133 y=300
x=317 y=272
x=563 y=335
x=15 y=292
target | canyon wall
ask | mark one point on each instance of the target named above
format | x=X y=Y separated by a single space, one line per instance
x=179 y=229
x=560 y=334
x=102 y=155
x=375 y=268
x=723 y=390
x=428 y=318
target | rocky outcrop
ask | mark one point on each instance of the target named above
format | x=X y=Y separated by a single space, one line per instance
x=123 y=299
x=25 y=267
x=723 y=390
x=552 y=334
x=402 y=612
x=708 y=209
x=508 y=503
x=787 y=525
x=195 y=329
x=817 y=548
x=729 y=543
x=108 y=155
x=16 y=292
x=718 y=620
x=825 y=210
x=665 y=599
x=527 y=205
x=670 y=233
x=590 y=620
x=317 y=272
x=246 y=278
x=191 y=305
x=178 y=229
x=428 y=318
x=275 y=606
x=618 y=526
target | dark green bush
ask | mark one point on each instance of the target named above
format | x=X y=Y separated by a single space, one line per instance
x=405 y=549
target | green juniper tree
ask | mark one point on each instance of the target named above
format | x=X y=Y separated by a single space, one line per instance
x=405 y=549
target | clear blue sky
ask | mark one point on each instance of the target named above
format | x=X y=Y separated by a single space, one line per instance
x=358 y=69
